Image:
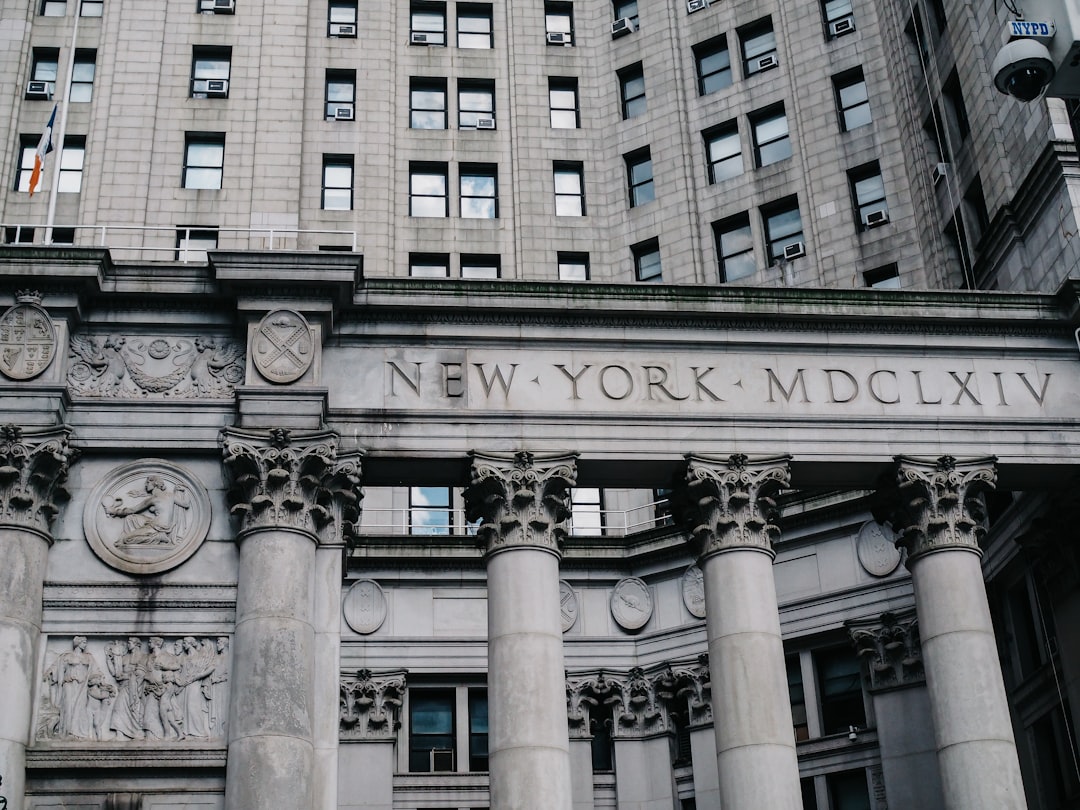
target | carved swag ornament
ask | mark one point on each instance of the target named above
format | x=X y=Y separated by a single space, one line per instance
x=371 y=706
x=889 y=649
x=33 y=469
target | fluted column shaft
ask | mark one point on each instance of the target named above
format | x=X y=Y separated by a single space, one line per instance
x=727 y=506
x=522 y=503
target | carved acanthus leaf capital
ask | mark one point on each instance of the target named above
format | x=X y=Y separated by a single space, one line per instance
x=727 y=503
x=890 y=650
x=33 y=468
x=290 y=480
x=939 y=503
x=371 y=706
x=520 y=500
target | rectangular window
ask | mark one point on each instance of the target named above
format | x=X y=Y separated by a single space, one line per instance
x=840 y=683
x=476 y=104
x=783 y=230
x=559 y=22
x=431 y=729
x=478 y=730
x=479 y=265
x=954 y=99
x=839 y=18
x=758 y=47
x=42 y=84
x=474 y=25
x=27 y=149
x=639 y=177
x=647 y=261
x=479 y=191
x=71 y=164
x=428 y=24
x=713 y=65
x=192 y=243
x=569 y=189
x=586 y=510
x=852 y=99
x=428 y=190
x=735 y=247
x=848 y=790
x=886 y=277
x=82 y=75
x=63 y=236
x=632 y=90
x=941 y=19
x=770 y=130
x=723 y=151
x=92 y=8
x=19 y=235
x=868 y=195
x=341 y=18
x=573 y=266
x=798 y=698
x=204 y=159
x=340 y=95
x=337 y=191
x=427 y=103
x=428 y=265
x=626 y=10
x=210 y=68
x=563 y=101
x=53 y=8
x=429 y=507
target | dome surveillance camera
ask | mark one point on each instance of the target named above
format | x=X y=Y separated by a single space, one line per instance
x=1023 y=69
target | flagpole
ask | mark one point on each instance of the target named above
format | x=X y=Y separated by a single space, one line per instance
x=51 y=216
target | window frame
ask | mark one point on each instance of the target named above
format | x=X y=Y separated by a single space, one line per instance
x=40 y=60
x=626 y=9
x=554 y=11
x=25 y=165
x=48 y=8
x=586 y=511
x=72 y=163
x=195 y=140
x=832 y=703
x=203 y=59
x=644 y=253
x=749 y=35
x=487 y=266
x=715 y=135
x=418 y=11
x=886 y=277
x=427 y=84
x=759 y=121
x=569 y=170
x=332 y=163
x=641 y=188
x=427 y=507
x=833 y=13
x=703 y=51
x=734 y=237
x=867 y=187
x=776 y=241
x=484 y=172
x=474 y=11
x=335 y=19
x=83 y=57
x=96 y=8
x=197 y=240
x=444 y=699
x=559 y=86
x=339 y=78
x=426 y=265
x=846 y=81
x=424 y=169
x=468 y=116
x=572 y=259
x=632 y=102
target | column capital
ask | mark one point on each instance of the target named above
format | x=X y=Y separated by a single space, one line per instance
x=727 y=503
x=939 y=503
x=292 y=480
x=33 y=469
x=521 y=500
x=890 y=650
x=371 y=706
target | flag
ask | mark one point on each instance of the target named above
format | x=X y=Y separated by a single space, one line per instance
x=43 y=148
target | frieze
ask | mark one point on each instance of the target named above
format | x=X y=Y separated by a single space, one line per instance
x=890 y=650
x=120 y=366
x=157 y=690
x=27 y=338
x=371 y=706
x=33 y=470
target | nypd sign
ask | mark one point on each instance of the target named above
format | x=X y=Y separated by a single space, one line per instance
x=1030 y=28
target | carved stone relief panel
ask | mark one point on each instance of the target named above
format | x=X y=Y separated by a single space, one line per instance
x=631 y=603
x=27 y=338
x=147 y=517
x=693 y=591
x=155 y=689
x=876 y=549
x=282 y=347
x=568 y=605
x=364 y=606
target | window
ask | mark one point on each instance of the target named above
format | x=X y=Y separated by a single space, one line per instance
x=852 y=100
x=713 y=65
x=27 y=150
x=204 y=159
x=723 y=152
x=19 y=235
x=839 y=18
x=586 y=510
x=569 y=189
x=975 y=212
x=428 y=24
x=647 y=260
x=758 y=47
x=941 y=19
x=82 y=75
x=883 y=278
x=735 y=247
x=573 y=266
x=427 y=103
x=783 y=230
x=954 y=100
x=559 y=22
x=428 y=265
x=71 y=164
x=478 y=730
x=476 y=265
x=476 y=104
x=337 y=191
x=474 y=25
x=770 y=130
x=43 y=73
x=340 y=94
x=632 y=90
x=341 y=18
x=563 y=101
x=91 y=8
x=626 y=9
x=840 y=684
x=932 y=126
x=63 y=236
x=53 y=8
x=429 y=507
x=798 y=698
x=210 y=68
x=848 y=791
x=427 y=190
x=431 y=730
x=479 y=191
x=639 y=177
x=868 y=194
x=192 y=243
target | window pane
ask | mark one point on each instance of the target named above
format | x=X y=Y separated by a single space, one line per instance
x=567 y=183
x=205 y=154
x=203 y=178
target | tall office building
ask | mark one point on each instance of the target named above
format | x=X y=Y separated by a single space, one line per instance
x=534 y=405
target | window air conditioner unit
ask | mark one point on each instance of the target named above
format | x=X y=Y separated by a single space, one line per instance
x=485 y=123
x=875 y=218
x=418 y=38
x=441 y=759
x=224 y=6
x=37 y=90
x=840 y=27
x=940 y=172
x=559 y=38
x=206 y=6
x=766 y=62
x=696 y=5
x=344 y=113
x=794 y=250
x=622 y=26
x=342 y=30
x=217 y=87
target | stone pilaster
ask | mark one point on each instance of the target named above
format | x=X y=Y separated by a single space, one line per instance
x=522 y=502
x=939 y=521
x=33 y=468
x=290 y=492
x=728 y=508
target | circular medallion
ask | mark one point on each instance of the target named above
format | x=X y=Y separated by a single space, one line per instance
x=364 y=606
x=631 y=603
x=568 y=607
x=147 y=517
x=27 y=341
x=693 y=591
x=282 y=346
x=877 y=549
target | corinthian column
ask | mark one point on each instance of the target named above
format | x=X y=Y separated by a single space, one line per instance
x=291 y=493
x=33 y=467
x=522 y=502
x=729 y=511
x=939 y=520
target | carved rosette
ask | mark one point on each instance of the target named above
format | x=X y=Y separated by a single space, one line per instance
x=520 y=500
x=282 y=480
x=33 y=468
x=371 y=706
x=889 y=649
x=727 y=504
x=940 y=504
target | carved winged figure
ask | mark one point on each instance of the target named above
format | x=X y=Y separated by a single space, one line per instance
x=100 y=369
x=212 y=370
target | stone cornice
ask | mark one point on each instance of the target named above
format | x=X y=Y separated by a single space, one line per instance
x=370 y=706
x=890 y=650
x=33 y=468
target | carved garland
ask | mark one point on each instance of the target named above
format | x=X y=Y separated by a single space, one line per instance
x=33 y=469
